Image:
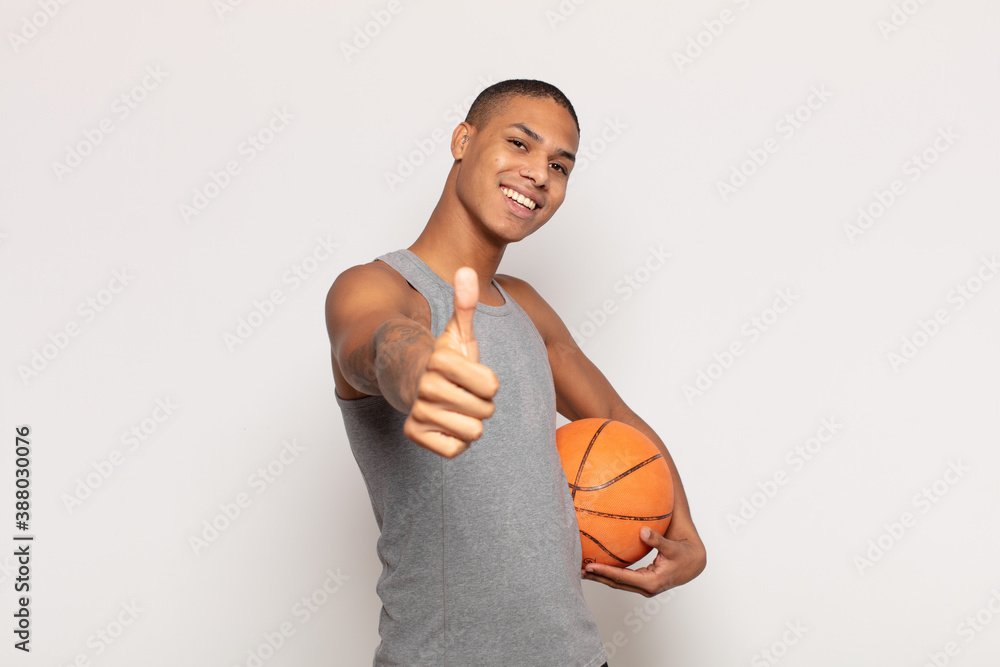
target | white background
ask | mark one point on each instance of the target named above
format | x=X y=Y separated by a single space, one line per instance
x=825 y=552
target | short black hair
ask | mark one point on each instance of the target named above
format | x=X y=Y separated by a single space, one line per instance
x=492 y=100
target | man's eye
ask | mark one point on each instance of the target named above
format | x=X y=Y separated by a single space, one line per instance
x=517 y=142
x=559 y=167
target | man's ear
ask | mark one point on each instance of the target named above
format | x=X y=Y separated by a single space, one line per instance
x=460 y=139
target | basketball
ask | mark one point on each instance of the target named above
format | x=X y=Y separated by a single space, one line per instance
x=619 y=482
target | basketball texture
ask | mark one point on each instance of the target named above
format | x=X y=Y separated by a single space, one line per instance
x=619 y=483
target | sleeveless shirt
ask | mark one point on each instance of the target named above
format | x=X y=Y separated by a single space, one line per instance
x=480 y=553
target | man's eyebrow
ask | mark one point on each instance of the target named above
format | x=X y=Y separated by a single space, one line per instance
x=534 y=137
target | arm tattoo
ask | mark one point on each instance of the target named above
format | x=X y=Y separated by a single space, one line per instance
x=380 y=367
x=399 y=349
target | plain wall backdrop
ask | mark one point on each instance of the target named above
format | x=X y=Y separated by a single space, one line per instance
x=780 y=245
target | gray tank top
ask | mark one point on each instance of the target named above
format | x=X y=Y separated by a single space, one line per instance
x=480 y=553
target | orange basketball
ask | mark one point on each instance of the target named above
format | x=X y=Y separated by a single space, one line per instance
x=619 y=483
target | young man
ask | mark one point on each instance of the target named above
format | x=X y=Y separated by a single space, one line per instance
x=449 y=377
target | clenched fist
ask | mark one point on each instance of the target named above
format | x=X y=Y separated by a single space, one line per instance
x=455 y=392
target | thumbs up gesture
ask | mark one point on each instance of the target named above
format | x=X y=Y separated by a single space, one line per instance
x=455 y=392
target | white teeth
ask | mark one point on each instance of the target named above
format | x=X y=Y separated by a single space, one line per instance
x=519 y=198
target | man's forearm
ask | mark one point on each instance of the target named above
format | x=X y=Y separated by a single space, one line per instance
x=402 y=349
x=390 y=364
x=681 y=524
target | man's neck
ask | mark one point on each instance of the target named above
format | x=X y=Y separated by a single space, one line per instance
x=448 y=243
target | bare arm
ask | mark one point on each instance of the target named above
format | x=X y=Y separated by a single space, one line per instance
x=380 y=349
x=391 y=362
x=583 y=391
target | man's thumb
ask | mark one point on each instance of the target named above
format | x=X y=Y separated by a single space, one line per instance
x=466 y=298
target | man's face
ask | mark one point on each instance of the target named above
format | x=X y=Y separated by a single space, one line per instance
x=526 y=150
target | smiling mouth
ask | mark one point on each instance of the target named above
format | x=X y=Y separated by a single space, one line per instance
x=526 y=202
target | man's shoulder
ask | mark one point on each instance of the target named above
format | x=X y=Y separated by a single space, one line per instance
x=532 y=303
x=375 y=271
x=375 y=284
x=516 y=286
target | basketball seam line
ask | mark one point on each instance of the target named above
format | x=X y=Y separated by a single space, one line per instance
x=576 y=487
x=583 y=459
x=624 y=516
x=604 y=548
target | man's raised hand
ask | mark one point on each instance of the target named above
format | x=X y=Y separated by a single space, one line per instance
x=455 y=392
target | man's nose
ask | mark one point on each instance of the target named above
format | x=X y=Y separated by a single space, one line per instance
x=536 y=171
